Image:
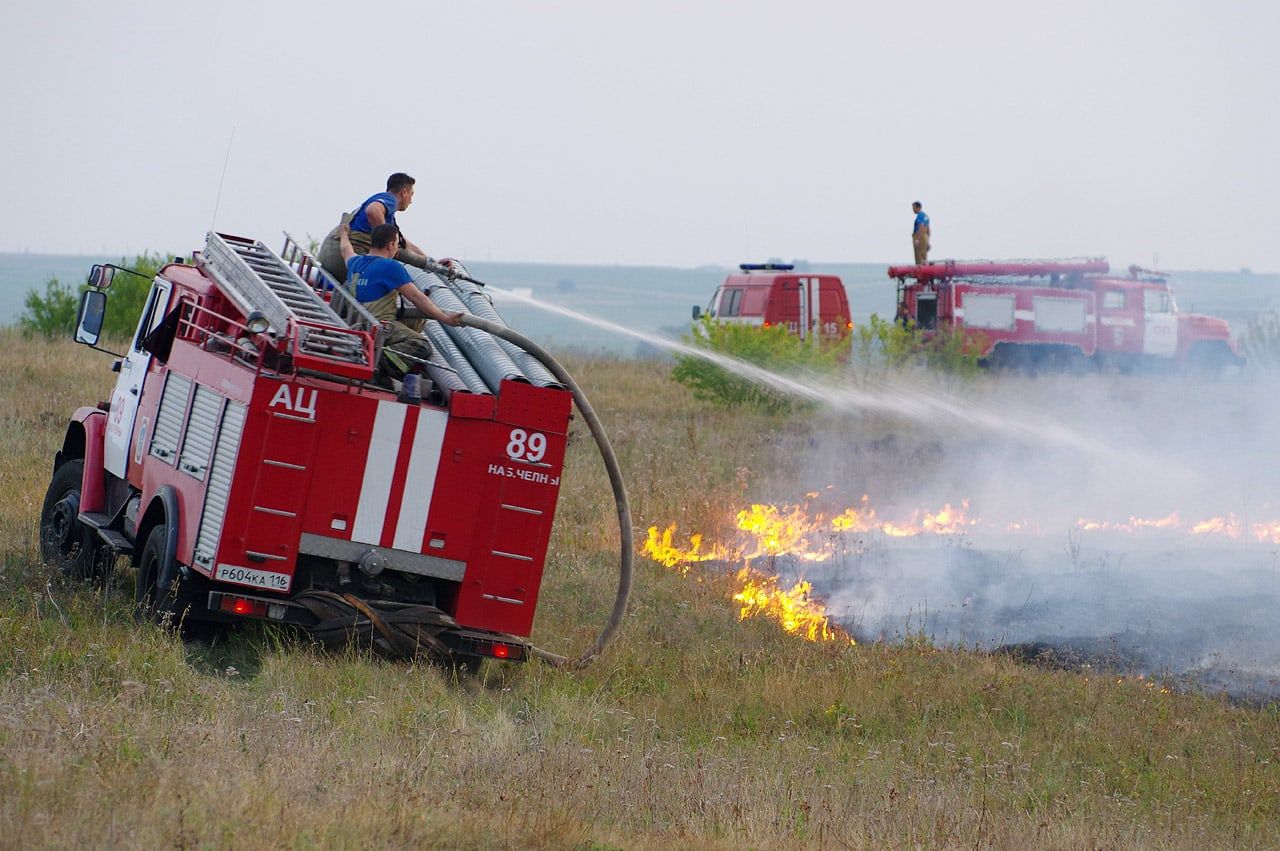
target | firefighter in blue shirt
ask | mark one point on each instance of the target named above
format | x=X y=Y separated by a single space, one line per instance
x=379 y=282
x=920 y=234
x=378 y=209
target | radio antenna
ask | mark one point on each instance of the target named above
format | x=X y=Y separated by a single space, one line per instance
x=217 y=201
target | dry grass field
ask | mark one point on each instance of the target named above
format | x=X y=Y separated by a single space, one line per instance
x=693 y=730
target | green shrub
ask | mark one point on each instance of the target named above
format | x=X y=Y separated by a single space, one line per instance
x=53 y=313
x=774 y=348
x=880 y=346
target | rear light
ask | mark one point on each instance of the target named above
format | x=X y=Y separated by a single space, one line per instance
x=767 y=323
x=243 y=606
x=505 y=651
x=848 y=326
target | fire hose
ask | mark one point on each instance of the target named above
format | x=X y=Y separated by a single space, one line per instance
x=396 y=629
x=627 y=544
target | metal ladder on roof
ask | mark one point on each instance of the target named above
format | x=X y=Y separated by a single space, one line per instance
x=255 y=278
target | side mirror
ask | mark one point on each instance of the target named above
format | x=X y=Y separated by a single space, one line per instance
x=101 y=275
x=697 y=313
x=89 y=317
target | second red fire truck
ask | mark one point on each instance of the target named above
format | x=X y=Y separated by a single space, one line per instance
x=808 y=304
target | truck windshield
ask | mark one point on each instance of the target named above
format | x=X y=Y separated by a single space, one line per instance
x=1156 y=301
x=731 y=302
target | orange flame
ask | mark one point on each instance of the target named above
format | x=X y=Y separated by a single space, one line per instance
x=945 y=521
x=794 y=609
x=1228 y=526
x=660 y=548
x=767 y=531
x=861 y=518
x=776 y=532
x=1268 y=533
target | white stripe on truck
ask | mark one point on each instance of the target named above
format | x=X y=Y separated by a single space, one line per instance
x=379 y=468
x=424 y=462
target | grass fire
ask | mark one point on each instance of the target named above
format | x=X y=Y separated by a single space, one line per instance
x=786 y=563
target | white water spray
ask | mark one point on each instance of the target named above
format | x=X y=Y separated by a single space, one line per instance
x=896 y=401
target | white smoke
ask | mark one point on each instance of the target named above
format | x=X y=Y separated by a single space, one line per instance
x=1201 y=605
x=1046 y=453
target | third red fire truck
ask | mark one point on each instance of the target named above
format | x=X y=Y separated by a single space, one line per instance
x=1039 y=312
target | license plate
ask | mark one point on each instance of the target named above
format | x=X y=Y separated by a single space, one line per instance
x=268 y=579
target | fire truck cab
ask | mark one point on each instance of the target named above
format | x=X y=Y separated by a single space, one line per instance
x=250 y=466
x=773 y=294
x=1138 y=318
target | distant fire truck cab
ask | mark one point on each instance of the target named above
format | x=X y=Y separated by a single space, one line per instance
x=774 y=294
x=1035 y=312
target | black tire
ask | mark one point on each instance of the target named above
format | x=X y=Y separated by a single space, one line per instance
x=1210 y=358
x=65 y=542
x=171 y=609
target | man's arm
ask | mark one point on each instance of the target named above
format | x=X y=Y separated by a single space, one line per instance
x=344 y=242
x=419 y=299
x=376 y=214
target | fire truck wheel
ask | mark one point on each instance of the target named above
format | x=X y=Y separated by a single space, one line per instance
x=1209 y=358
x=168 y=608
x=65 y=542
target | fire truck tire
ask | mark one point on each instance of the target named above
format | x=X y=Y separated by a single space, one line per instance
x=65 y=542
x=1210 y=358
x=172 y=608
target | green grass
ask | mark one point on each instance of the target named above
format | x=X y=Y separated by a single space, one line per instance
x=692 y=730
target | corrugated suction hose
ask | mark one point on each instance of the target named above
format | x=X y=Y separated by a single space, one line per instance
x=615 y=480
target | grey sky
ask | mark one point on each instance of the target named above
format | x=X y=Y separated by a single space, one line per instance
x=654 y=132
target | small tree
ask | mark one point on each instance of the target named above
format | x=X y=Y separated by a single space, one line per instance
x=52 y=313
x=774 y=348
x=883 y=347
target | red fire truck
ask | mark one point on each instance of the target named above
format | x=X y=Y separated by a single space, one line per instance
x=1034 y=312
x=769 y=294
x=251 y=467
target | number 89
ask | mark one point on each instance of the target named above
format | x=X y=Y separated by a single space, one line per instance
x=525 y=446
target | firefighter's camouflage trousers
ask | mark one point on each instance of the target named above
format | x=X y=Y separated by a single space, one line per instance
x=403 y=346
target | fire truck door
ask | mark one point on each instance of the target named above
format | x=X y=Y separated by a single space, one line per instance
x=1160 y=332
x=128 y=392
x=786 y=304
x=926 y=311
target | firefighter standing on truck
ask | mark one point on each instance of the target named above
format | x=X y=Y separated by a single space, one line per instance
x=379 y=281
x=920 y=234
x=377 y=209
